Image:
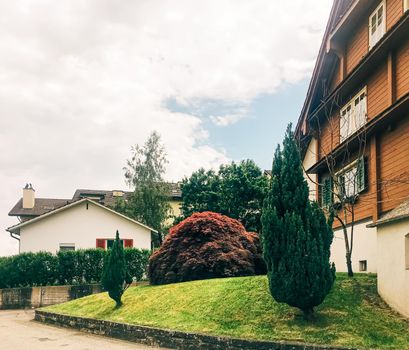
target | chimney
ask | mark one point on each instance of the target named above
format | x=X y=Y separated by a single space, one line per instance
x=28 y=197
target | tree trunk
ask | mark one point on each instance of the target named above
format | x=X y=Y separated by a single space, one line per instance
x=308 y=314
x=349 y=264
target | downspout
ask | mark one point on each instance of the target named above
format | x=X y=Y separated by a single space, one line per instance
x=15 y=237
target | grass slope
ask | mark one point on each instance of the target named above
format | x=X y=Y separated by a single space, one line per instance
x=352 y=315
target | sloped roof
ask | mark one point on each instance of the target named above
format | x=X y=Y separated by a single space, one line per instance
x=339 y=8
x=16 y=228
x=42 y=206
x=107 y=198
x=399 y=213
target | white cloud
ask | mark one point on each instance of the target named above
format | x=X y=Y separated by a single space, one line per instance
x=81 y=81
x=226 y=120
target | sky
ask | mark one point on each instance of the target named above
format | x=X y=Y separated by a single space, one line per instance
x=81 y=81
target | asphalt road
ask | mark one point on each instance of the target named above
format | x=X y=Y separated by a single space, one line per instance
x=18 y=331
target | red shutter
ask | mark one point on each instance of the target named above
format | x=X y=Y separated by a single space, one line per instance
x=101 y=243
x=128 y=243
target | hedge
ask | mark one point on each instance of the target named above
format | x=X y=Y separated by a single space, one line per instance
x=66 y=267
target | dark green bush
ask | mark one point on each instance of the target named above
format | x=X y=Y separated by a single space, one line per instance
x=66 y=267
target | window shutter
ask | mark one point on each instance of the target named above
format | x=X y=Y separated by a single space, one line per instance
x=128 y=243
x=327 y=192
x=100 y=243
x=361 y=175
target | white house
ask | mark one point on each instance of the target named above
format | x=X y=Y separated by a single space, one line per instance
x=52 y=225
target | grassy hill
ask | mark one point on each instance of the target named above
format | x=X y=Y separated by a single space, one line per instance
x=352 y=315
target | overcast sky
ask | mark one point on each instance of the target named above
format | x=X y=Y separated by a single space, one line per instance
x=83 y=80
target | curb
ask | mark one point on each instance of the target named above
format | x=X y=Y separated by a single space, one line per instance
x=168 y=338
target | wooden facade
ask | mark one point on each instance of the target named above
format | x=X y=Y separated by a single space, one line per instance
x=347 y=64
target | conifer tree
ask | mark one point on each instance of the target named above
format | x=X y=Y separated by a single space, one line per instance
x=296 y=235
x=115 y=276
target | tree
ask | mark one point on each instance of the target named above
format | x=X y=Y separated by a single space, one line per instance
x=236 y=190
x=296 y=236
x=115 y=276
x=144 y=173
x=206 y=245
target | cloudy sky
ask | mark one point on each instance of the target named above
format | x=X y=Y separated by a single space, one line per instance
x=83 y=80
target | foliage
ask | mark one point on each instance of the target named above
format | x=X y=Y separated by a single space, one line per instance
x=115 y=276
x=237 y=190
x=206 y=245
x=67 y=267
x=352 y=316
x=144 y=173
x=137 y=262
x=296 y=236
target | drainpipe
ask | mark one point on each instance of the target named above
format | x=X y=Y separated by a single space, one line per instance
x=15 y=237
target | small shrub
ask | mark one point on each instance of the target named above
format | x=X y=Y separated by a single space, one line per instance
x=206 y=245
x=115 y=276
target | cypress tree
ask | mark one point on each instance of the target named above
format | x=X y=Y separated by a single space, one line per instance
x=115 y=276
x=296 y=235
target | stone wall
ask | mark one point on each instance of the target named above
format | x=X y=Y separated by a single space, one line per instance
x=167 y=338
x=33 y=297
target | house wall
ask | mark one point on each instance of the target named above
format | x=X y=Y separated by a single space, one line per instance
x=81 y=226
x=393 y=277
x=309 y=160
x=364 y=248
x=402 y=70
x=394 y=164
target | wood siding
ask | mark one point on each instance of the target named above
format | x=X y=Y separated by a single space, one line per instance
x=357 y=47
x=394 y=11
x=329 y=134
x=394 y=165
x=387 y=151
x=402 y=70
x=378 y=93
x=336 y=77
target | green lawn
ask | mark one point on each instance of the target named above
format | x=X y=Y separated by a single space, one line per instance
x=352 y=315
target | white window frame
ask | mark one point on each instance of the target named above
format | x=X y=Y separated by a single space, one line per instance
x=348 y=169
x=405 y=5
x=375 y=36
x=352 y=118
x=67 y=246
x=352 y=188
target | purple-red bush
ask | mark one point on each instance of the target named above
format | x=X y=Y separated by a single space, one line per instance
x=206 y=245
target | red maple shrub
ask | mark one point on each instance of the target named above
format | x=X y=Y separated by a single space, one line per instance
x=206 y=245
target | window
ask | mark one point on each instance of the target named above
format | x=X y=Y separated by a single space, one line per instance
x=377 y=25
x=353 y=115
x=327 y=194
x=106 y=243
x=363 y=266
x=407 y=251
x=352 y=179
x=67 y=246
x=405 y=5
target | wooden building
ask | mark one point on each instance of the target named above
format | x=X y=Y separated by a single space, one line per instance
x=354 y=135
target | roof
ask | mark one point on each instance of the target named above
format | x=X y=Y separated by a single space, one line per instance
x=105 y=197
x=339 y=8
x=399 y=213
x=16 y=228
x=42 y=206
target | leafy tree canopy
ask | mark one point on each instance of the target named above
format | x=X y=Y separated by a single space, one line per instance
x=144 y=173
x=236 y=190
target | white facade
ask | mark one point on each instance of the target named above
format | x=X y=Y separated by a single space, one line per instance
x=393 y=272
x=309 y=160
x=81 y=224
x=364 y=252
